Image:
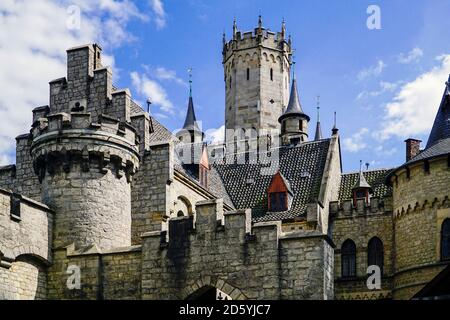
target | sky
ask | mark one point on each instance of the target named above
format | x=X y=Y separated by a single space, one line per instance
x=385 y=83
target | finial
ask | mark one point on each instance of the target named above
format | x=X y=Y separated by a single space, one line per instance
x=149 y=102
x=234 y=28
x=283 y=29
x=335 y=130
x=318 y=108
x=190 y=81
x=367 y=166
x=224 y=39
x=334 y=127
x=260 y=22
x=360 y=166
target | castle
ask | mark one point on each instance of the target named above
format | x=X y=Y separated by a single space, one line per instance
x=105 y=203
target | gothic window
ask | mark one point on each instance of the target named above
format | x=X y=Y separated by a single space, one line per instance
x=248 y=74
x=278 y=201
x=375 y=253
x=300 y=125
x=271 y=74
x=283 y=126
x=445 y=240
x=348 y=257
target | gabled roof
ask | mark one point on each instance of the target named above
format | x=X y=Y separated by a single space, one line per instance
x=361 y=182
x=302 y=165
x=376 y=178
x=294 y=107
x=277 y=179
x=441 y=126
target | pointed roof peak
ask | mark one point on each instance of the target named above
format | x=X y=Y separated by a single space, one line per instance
x=318 y=135
x=441 y=126
x=190 y=123
x=361 y=182
x=294 y=107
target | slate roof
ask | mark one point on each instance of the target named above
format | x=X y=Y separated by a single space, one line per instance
x=441 y=126
x=301 y=165
x=375 y=178
x=294 y=107
x=440 y=148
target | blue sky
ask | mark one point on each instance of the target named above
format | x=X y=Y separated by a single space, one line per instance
x=384 y=84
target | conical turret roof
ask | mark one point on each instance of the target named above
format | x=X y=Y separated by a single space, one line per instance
x=294 y=107
x=441 y=126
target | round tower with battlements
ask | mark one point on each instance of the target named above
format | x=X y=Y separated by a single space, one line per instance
x=85 y=153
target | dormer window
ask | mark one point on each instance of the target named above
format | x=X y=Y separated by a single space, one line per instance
x=279 y=194
x=278 y=201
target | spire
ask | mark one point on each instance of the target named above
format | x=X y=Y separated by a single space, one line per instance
x=234 y=28
x=190 y=123
x=441 y=126
x=361 y=183
x=294 y=107
x=283 y=30
x=318 y=135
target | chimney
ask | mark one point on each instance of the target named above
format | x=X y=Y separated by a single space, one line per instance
x=412 y=148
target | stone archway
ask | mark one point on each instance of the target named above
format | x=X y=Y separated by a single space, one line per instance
x=207 y=289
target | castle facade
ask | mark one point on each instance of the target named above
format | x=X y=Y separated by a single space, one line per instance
x=104 y=202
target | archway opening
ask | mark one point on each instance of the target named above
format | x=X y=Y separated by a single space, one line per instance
x=206 y=293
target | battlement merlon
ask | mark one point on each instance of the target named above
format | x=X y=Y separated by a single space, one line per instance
x=347 y=208
x=103 y=144
x=88 y=87
x=253 y=39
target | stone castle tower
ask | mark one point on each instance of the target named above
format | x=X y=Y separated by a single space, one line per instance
x=257 y=76
x=84 y=152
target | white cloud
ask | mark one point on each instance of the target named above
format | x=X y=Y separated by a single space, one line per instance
x=384 y=88
x=215 y=136
x=413 y=109
x=153 y=90
x=413 y=56
x=356 y=142
x=162 y=73
x=33 y=41
x=160 y=14
x=373 y=71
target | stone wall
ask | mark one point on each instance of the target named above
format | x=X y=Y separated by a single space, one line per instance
x=150 y=189
x=25 y=244
x=375 y=220
x=421 y=203
x=104 y=275
x=246 y=262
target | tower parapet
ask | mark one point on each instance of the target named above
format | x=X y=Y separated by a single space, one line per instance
x=85 y=152
x=256 y=74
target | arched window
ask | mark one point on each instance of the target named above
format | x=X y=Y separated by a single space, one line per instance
x=271 y=74
x=445 y=240
x=375 y=253
x=248 y=73
x=348 y=257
